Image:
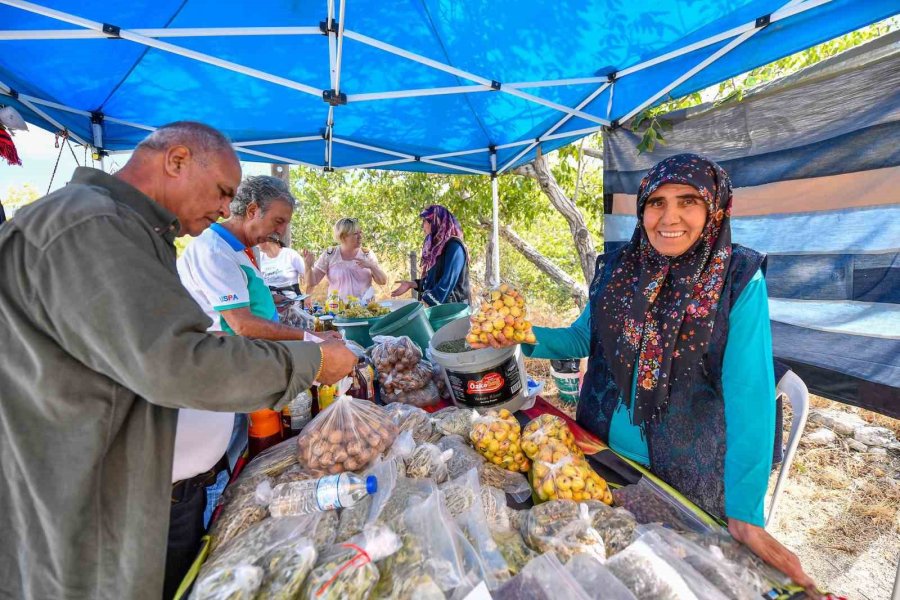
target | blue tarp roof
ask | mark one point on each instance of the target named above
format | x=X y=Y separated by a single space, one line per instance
x=421 y=79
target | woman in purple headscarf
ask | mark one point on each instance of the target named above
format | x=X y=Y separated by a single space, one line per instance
x=444 y=262
x=680 y=371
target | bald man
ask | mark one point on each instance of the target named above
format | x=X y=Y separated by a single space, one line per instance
x=101 y=344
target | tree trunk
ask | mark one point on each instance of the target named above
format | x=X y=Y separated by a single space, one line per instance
x=546 y=266
x=584 y=242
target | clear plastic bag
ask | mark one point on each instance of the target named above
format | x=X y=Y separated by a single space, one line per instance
x=544 y=578
x=429 y=523
x=563 y=527
x=412 y=419
x=651 y=504
x=326 y=529
x=271 y=462
x=475 y=525
x=750 y=567
x=596 y=580
x=231 y=571
x=615 y=525
x=347 y=436
x=647 y=575
x=347 y=571
x=493 y=502
x=512 y=546
x=427 y=395
x=733 y=581
x=464 y=457
x=428 y=461
x=403 y=447
x=454 y=421
x=546 y=428
x=240 y=511
x=567 y=478
x=415 y=378
x=514 y=484
x=389 y=510
x=501 y=318
x=496 y=436
x=395 y=353
x=298 y=472
x=439 y=379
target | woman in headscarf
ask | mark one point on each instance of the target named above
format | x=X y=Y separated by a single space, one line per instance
x=680 y=371
x=444 y=262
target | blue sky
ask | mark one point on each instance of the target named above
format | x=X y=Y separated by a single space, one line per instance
x=38 y=156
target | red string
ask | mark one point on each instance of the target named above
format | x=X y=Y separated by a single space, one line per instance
x=353 y=562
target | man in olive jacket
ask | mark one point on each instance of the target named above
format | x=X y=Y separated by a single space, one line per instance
x=100 y=345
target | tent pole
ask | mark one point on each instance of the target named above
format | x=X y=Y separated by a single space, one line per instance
x=495 y=231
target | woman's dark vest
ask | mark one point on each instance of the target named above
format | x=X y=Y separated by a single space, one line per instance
x=687 y=448
x=460 y=292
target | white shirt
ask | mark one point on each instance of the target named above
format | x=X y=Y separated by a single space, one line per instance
x=284 y=270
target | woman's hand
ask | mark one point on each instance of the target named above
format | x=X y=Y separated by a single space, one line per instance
x=403 y=287
x=365 y=263
x=772 y=552
x=309 y=259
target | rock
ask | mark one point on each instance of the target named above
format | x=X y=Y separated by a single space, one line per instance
x=858 y=446
x=821 y=437
x=880 y=437
x=875 y=451
x=842 y=423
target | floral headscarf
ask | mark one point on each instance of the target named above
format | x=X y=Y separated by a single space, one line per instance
x=659 y=310
x=443 y=227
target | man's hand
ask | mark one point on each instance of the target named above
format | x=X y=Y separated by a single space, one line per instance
x=772 y=552
x=403 y=287
x=338 y=362
x=328 y=335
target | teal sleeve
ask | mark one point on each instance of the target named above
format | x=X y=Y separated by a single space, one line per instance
x=560 y=343
x=748 y=384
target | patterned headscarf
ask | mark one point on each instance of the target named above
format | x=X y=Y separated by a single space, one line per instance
x=443 y=227
x=658 y=310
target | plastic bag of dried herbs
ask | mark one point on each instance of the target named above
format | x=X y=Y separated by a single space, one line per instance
x=512 y=546
x=454 y=421
x=428 y=461
x=388 y=508
x=615 y=525
x=726 y=577
x=464 y=456
x=544 y=578
x=277 y=547
x=648 y=575
x=596 y=580
x=514 y=484
x=474 y=525
x=412 y=419
x=428 y=549
x=651 y=504
x=240 y=511
x=354 y=519
x=347 y=571
x=563 y=527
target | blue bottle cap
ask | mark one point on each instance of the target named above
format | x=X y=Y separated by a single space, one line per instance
x=371 y=484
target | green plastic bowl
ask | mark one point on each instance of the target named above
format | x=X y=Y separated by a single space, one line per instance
x=442 y=314
x=409 y=320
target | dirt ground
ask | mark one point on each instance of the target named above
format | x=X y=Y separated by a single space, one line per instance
x=840 y=511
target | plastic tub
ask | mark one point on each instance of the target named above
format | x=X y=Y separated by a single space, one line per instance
x=442 y=314
x=409 y=320
x=481 y=379
x=568 y=385
x=357 y=329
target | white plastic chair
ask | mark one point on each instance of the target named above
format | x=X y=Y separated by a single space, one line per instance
x=793 y=387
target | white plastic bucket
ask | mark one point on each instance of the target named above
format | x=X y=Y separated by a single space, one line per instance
x=481 y=379
x=567 y=384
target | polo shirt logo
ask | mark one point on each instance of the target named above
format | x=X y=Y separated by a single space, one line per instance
x=228 y=297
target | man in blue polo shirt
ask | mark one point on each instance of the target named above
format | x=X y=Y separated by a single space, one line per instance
x=220 y=269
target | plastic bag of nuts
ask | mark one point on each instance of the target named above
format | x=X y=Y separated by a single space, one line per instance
x=395 y=354
x=545 y=428
x=496 y=436
x=347 y=436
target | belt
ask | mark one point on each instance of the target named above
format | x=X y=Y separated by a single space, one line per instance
x=181 y=489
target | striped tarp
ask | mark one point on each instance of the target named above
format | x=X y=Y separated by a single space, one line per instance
x=816 y=169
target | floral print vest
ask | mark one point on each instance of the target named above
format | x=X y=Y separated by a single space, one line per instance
x=687 y=448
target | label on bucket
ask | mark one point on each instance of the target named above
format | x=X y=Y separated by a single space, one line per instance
x=485 y=388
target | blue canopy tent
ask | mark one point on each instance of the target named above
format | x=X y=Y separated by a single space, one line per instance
x=470 y=87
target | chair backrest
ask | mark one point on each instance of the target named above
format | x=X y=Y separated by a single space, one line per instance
x=792 y=386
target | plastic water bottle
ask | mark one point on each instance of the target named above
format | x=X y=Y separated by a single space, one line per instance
x=315 y=495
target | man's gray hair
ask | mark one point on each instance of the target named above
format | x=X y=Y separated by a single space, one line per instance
x=202 y=140
x=263 y=190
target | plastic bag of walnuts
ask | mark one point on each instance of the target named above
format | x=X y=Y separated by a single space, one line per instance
x=496 y=436
x=347 y=436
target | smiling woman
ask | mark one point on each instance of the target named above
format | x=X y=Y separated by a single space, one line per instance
x=674 y=217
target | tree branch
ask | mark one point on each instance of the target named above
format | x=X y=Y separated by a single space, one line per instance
x=544 y=264
x=539 y=170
